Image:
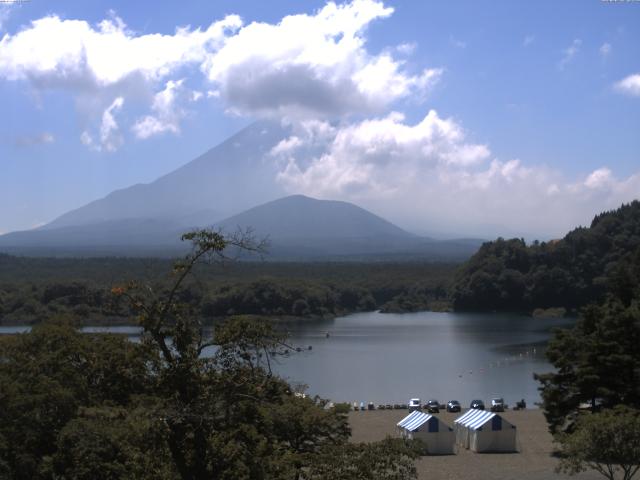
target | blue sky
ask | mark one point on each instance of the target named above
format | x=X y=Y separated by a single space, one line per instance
x=540 y=103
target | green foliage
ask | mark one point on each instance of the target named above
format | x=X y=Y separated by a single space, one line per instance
x=598 y=361
x=79 y=406
x=32 y=289
x=608 y=442
x=48 y=374
x=389 y=459
x=508 y=275
x=111 y=443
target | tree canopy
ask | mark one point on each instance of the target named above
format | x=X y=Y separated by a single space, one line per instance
x=84 y=406
x=509 y=275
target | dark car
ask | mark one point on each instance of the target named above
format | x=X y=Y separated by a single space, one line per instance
x=477 y=404
x=433 y=406
x=454 y=406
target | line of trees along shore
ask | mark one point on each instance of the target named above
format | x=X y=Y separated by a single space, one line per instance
x=33 y=288
x=504 y=275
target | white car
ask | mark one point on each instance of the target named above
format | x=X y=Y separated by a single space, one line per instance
x=497 y=404
x=414 y=404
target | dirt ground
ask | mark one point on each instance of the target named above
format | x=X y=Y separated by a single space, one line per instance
x=533 y=461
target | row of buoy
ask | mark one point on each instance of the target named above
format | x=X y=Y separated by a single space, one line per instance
x=507 y=361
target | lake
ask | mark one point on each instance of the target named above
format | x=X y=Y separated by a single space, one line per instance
x=389 y=358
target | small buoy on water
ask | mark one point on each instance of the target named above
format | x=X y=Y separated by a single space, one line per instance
x=327 y=334
x=310 y=347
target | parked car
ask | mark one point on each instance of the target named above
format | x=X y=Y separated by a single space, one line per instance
x=454 y=406
x=414 y=404
x=433 y=406
x=477 y=404
x=497 y=404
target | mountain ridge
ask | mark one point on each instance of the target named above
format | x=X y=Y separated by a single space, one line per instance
x=298 y=227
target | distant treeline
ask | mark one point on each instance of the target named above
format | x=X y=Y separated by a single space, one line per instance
x=32 y=289
x=508 y=275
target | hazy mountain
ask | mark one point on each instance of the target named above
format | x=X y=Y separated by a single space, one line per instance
x=211 y=183
x=298 y=216
x=231 y=177
x=297 y=228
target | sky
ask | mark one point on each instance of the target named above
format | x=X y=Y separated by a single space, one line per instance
x=459 y=117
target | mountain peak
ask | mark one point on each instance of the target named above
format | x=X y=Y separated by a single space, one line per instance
x=300 y=216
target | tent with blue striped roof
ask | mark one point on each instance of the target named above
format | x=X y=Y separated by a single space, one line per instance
x=436 y=435
x=460 y=426
x=481 y=431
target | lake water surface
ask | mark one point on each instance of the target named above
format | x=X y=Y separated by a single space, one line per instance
x=389 y=358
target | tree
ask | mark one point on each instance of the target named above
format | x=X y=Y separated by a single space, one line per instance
x=227 y=416
x=48 y=374
x=597 y=362
x=186 y=402
x=608 y=442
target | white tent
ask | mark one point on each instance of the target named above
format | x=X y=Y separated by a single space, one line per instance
x=436 y=435
x=460 y=429
x=482 y=431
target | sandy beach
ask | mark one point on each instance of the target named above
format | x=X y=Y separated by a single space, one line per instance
x=533 y=461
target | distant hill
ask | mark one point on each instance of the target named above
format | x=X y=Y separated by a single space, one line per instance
x=300 y=227
x=570 y=272
x=297 y=227
x=300 y=217
x=235 y=176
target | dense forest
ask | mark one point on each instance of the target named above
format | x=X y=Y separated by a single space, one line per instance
x=34 y=288
x=509 y=275
x=504 y=275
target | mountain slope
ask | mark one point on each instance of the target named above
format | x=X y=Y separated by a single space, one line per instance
x=303 y=228
x=209 y=182
x=298 y=228
x=298 y=216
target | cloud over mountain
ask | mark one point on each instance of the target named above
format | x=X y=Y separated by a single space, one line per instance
x=430 y=173
x=305 y=65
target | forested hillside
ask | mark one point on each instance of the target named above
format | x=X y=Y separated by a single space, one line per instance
x=508 y=275
x=32 y=289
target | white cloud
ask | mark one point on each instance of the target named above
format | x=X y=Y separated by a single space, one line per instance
x=304 y=65
x=429 y=173
x=109 y=135
x=605 y=49
x=569 y=53
x=528 y=40
x=599 y=179
x=378 y=156
x=629 y=85
x=309 y=65
x=286 y=146
x=37 y=139
x=72 y=53
x=167 y=111
x=406 y=48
